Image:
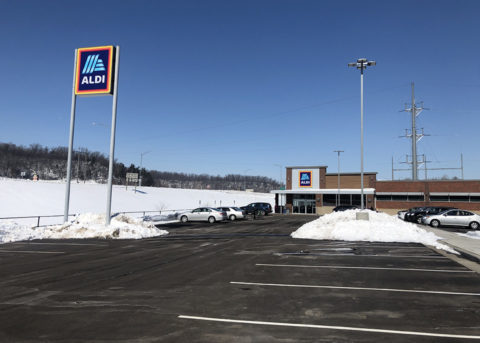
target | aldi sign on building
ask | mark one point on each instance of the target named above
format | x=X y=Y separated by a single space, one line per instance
x=93 y=74
x=305 y=179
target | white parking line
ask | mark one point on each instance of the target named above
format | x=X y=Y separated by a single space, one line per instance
x=352 y=288
x=343 y=328
x=58 y=243
x=370 y=268
x=32 y=252
x=370 y=246
x=353 y=255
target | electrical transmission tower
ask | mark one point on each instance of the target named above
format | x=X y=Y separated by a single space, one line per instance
x=414 y=135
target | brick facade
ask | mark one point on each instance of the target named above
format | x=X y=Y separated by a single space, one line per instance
x=427 y=187
x=352 y=181
x=288 y=184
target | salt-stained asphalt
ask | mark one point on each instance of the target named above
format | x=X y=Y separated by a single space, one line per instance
x=245 y=281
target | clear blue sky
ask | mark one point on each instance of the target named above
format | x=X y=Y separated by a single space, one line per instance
x=223 y=87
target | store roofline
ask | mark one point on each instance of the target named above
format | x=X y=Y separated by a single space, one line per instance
x=429 y=180
x=364 y=173
x=325 y=191
x=306 y=167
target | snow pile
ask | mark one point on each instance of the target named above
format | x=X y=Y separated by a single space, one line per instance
x=13 y=232
x=471 y=234
x=86 y=225
x=380 y=228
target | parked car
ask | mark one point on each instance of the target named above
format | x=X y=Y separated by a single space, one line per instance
x=344 y=208
x=401 y=214
x=453 y=217
x=233 y=213
x=411 y=212
x=260 y=208
x=202 y=214
x=417 y=215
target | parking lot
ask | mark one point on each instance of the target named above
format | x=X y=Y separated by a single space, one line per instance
x=243 y=281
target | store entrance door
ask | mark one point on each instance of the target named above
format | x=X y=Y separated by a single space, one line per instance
x=306 y=206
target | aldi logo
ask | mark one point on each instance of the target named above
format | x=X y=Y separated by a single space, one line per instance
x=93 y=74
x=305 y=179
x=94 y=63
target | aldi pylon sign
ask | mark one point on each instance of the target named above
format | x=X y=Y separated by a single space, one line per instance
x=93 y=73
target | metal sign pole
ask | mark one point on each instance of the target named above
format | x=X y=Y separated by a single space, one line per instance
x=70 y=144
x=112 y=137
x=361 y=137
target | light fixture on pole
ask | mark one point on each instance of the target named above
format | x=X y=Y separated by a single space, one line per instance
x=361 y=64
x=141 y=162
x=338 y=184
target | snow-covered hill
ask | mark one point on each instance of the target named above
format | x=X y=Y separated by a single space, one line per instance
x=20 y=198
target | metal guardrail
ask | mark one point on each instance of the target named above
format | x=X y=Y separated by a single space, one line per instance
x=38 y=218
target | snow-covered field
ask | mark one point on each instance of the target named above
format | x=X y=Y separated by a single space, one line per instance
x=19 y=198
x=22 y=198
x=380 y=228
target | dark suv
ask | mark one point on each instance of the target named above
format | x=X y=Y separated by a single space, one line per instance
x=344 y=208
x=410 y=215
x=260 y=208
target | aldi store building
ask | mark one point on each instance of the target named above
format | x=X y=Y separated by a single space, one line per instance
x=312 y=190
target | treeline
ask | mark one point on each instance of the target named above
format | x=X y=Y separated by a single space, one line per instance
x=36 y=161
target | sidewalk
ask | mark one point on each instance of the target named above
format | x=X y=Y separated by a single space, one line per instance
x=470 y=247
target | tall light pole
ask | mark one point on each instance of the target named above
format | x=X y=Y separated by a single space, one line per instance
x=338 y=194
x=280 y=201
x=361 y=64
x=141 y=162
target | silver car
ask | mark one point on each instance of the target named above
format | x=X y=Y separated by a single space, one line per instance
x=453 y=217
x=207 y=214
x=233 y=213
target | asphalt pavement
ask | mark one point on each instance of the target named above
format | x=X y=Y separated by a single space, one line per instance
x=245 y=281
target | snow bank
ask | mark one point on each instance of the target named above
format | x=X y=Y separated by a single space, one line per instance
x=471 y=234
x=380 y=228
x=86 y=225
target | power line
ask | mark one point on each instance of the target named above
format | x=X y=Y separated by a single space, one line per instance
x=415 y=111
x=267 y=116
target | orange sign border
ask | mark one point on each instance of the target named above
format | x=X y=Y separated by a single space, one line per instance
x=299 y=180
x=107 y=90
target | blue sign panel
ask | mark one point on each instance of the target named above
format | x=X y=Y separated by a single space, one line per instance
x=94 y=71
x=305 y=179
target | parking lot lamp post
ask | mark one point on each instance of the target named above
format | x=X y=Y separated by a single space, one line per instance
x=338 y=183
x=280 y=185
x=361 y=64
